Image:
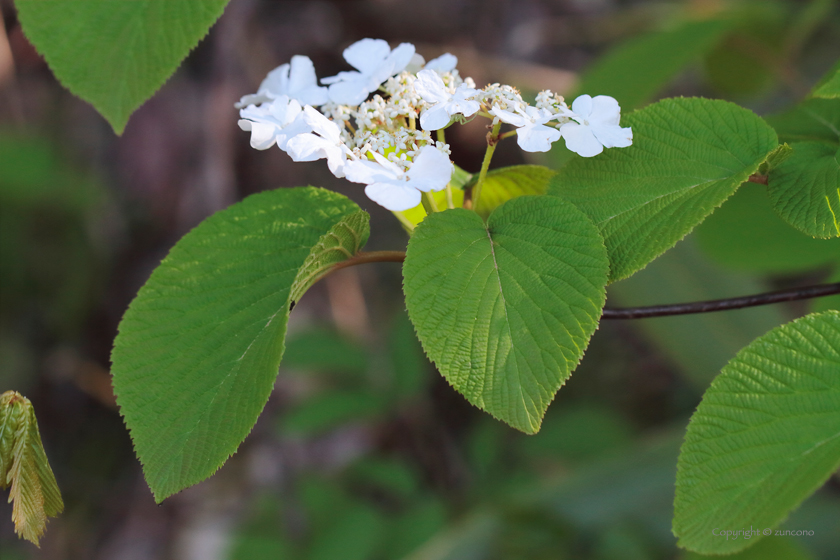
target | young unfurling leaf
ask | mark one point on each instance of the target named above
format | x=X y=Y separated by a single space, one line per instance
x=24 y=467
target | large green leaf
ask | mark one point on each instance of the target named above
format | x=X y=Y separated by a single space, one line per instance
x=510 y=182
x=805 y=189
x=766 y=435
x=813 y=120
x=506 y=309
x=688 y=156
x=745 y=234
x=116 y=54
x=199 y=347
x=635 y=71
x=24 y=467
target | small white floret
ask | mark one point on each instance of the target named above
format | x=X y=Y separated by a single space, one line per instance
x=323 y=142
x=443 y=105
x=531 y=133
x=395 y=189
x=375 y=62
x=595 y=126
x=296 y=80
x=275 y=122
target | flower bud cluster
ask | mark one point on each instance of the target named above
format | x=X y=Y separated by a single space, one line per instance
x=384 y=140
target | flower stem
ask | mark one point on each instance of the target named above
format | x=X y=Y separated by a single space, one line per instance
x=429 y=203
x=492 y=140
x=441 y=138
x=406 y=223
x=507 y=134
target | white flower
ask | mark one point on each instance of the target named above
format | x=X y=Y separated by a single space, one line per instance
x=595 y=126
x=444 y=105
x=531 y=134
x=444 y=63
x=296 y=80
x=323 y=142
x=375 y=62
x=395 y=189
x=277 y=121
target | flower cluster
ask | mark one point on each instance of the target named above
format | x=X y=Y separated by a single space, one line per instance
x=377 y=139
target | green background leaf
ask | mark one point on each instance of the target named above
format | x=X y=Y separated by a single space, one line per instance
x=199 y=347
x=765 y=436
x=505 y=311
x=746 y=234
x=635 y=71
x=688 y=156
x=829 y=86
x=805 y=189
x=116 y=54
x=813 y=120
x=506 y=183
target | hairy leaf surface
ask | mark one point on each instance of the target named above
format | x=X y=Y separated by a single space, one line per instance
x=688 y=156
x=199 y=347
x=805 y=189
x=116 y=54
x=506 y=309
x=765 y=436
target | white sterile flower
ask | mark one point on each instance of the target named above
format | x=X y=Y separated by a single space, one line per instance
x=277 y=121
x=323 y=142
x=444 y=63
x=297 y=80
x=443 y=105
x=375 y=62
x=395 y=189
x=595 y=126
x=531 y=134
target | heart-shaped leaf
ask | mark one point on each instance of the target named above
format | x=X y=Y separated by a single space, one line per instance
x=506 y=309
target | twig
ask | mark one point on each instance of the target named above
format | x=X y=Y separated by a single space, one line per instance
x=722 y=304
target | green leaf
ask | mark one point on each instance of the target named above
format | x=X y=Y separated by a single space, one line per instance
x=24 y=467
x=199 y=347
x=813 y=120
x=688 y=156
x=506 y=309
x=805 y=189
x=765 y=437
x=115 y=55
x=636 y=70
x=746 y=234
x=829 y=86
x=503 y=184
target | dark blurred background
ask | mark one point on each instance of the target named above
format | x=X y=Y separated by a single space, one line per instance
x=363 y=451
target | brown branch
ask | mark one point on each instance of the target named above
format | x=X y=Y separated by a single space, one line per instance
x=722 y=304
x=756 y=178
